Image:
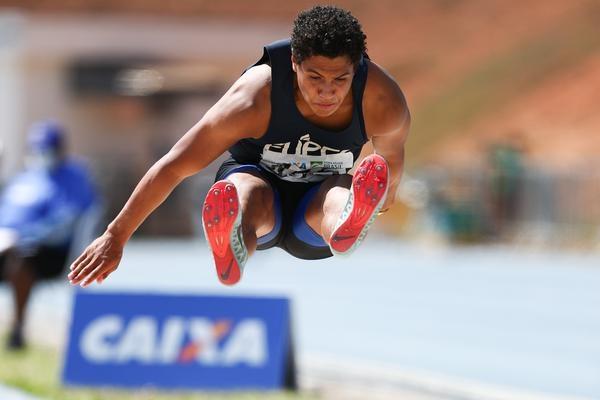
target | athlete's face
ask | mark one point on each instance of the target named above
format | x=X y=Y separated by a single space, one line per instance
x=324 y=82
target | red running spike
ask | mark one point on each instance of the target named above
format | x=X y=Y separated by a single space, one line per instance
x=367 y=195
x=222 y=222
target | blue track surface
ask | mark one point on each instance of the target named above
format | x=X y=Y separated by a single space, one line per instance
x=519 y=318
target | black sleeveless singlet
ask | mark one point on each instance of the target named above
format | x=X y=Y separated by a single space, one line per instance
x=292 y=148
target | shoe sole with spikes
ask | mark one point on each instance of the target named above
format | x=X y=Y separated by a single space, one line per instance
x=222 y=224
x=367 y=195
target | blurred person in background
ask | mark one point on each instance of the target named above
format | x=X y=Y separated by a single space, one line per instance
x=42 y=210
x=506 y=161
x=294 y=123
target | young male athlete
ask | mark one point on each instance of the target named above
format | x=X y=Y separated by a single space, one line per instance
x=294 y=124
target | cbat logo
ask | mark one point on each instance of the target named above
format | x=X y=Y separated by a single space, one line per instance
x=143 y=339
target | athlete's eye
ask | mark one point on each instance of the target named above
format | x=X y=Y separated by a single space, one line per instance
x=315 y=78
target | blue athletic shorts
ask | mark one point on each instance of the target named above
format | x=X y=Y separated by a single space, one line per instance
x=291 y=232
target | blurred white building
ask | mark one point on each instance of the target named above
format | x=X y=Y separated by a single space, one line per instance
x=125 y=87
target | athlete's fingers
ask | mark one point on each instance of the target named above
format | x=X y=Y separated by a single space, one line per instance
x=90 y=275
x=85 y=270
x=79 y=259
x=93 y=275
x=76 y=272
x=79 y=264
x=100 y=258
x=100 y=270
x=78 y=268
x=105 y=275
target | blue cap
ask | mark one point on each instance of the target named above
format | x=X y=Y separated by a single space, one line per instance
x=46 y=136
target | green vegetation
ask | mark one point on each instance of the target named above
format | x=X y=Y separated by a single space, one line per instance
x=37 y=371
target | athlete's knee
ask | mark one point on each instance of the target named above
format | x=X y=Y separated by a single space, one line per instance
x=257 y=202
x=335 y=198
x=260 y=196
x=251 y=188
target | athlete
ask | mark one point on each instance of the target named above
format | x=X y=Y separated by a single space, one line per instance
x=294 y=124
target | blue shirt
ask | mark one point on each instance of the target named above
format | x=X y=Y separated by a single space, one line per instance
x=42 y=206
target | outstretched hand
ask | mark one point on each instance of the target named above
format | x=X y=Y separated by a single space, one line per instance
x=97 y=262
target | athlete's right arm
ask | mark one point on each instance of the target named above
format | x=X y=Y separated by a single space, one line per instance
x=243 y=112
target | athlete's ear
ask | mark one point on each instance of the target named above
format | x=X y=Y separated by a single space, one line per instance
x=294 y=65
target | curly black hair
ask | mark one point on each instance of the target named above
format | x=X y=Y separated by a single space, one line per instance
x=327 y=31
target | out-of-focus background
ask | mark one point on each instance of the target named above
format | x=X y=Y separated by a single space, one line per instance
x=482 y=282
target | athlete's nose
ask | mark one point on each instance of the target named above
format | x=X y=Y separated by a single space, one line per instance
x=326 y=91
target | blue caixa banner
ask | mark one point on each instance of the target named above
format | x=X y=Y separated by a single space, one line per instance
x=173 y=341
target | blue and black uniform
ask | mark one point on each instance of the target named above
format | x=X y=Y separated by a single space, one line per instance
x=42 y=207
x=295 y=156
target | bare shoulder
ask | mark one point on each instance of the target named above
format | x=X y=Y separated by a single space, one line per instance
x=384 y=105
x=255 y=84
x=247 y=104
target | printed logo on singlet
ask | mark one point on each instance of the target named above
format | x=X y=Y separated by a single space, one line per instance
x=307 y=162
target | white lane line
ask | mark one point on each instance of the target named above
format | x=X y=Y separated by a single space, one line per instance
x=319 y=371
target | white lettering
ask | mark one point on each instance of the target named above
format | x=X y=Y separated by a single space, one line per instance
x=138 y=341
x=278 y=147
x=109 y=339
x=309 y=147
x=328 y=150
x=248 y=343
x=93 y=343
x=171 y=340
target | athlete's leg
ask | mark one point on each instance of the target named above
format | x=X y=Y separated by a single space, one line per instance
x=257 y=204
x=237 y=210
x=327 y=205
x=344 y=207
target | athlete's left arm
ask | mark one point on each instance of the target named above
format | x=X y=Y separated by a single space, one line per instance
x=387 y=121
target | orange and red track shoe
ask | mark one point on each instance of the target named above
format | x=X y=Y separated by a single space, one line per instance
x=222 y=223
x=367 y=195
